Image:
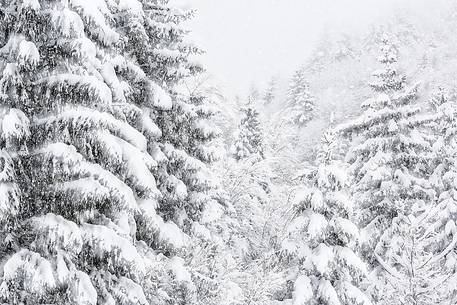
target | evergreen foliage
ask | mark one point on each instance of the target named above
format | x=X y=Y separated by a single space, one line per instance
x=322 y=240
x=300 y=102
x=104 y=160
x=249 y=136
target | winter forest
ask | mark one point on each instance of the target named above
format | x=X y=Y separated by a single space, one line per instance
x=129 y=175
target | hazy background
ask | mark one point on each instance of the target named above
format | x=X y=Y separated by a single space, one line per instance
x=248 y=41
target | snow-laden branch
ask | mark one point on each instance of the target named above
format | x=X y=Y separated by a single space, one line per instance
x=386 y=267
x=448 y=249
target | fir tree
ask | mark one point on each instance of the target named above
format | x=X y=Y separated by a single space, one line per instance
x=249 y=137
x=322 y=240
x=389 y=159
x=253 y=96
x=300 y=102
x=439 y=233
x=270 y=92
x=414 y=270
x=104 y=174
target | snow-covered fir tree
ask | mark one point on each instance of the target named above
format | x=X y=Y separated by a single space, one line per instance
x=389 y=158
x=270 y=91
x=249 y=136
x=416 y=268
x=439 y=233
x=322 y=240
x=104 y=177
x=300 y=102
x=253 y=96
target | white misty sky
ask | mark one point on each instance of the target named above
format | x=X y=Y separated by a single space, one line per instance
x=250 y=40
